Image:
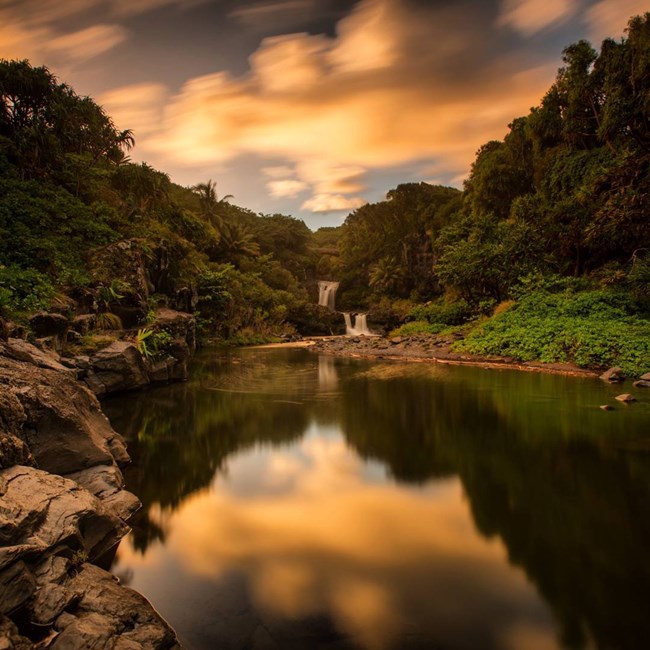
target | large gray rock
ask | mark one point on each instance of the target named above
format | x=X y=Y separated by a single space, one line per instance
x=49 y=525
x=110 y=616
x=118 y=367
x=61 y=421
x=41 y=512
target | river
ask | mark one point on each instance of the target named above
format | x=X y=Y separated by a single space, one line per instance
x=300 y=501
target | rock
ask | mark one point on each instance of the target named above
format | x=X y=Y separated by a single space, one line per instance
x=110 y=616
x=396 y=340
x=125 y=261
x=23 y=351
x=626 y=397
x=59 y=422
x=10 y=638
x=4 y=329
x=607 y=407
x=17 y=585
x=84 y=323
x=645 y=377
x=107 y=484
x=42 y=513
x=641 y=383
x=50 y=601
x=186 y=299
x=43 y=324
x=117 y=367
x=179 y=324
x=613 y=375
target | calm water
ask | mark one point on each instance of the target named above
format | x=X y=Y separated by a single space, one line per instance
x=296 y=501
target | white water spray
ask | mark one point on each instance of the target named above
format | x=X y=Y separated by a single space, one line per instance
x=360 y=325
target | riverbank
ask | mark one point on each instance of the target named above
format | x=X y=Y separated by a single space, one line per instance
x=425 y=349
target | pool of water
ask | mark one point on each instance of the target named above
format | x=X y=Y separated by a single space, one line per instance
x=300 y=501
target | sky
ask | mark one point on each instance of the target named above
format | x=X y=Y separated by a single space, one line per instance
x=309 y=107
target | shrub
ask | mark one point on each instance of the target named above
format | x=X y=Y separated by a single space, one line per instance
x=24 y=289
x=590 y=328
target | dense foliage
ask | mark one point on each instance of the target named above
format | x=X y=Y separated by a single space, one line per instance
x=566 y=194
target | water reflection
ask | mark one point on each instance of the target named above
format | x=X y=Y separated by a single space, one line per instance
x=292 y=501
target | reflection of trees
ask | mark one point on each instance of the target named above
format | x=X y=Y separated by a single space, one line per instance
x=181 y=435
x=571 y=508
x=572 y=511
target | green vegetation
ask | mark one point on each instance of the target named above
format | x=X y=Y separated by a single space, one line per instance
x=591 y=328
x=79 y=220
x=565 y=195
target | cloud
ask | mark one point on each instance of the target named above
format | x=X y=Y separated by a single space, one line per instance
x=380 y=93
x=278 y=15
x=136 y=7
x=138 y=106
x=289 y=188
x=279 y=171
x=608 y=18
x=88 y=42
x=323 y=203
x=530 y=16
x=46 y=11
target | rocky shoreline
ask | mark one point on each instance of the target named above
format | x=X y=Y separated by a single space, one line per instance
x=423 y=348
x=62 y=499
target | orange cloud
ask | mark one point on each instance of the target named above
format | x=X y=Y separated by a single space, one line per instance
x=530 y=16
x=336 y=107
x=289 y=188
x=139 y=105
x=87 y=43
x=324 y=203
x=607 y=18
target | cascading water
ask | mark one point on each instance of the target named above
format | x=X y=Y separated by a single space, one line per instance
x=327 y=294
x=360 y=325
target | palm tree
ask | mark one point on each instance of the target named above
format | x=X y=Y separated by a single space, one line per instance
x=237 y=241
x=211 y=203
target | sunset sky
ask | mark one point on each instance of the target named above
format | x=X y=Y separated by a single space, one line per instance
x=308 y=107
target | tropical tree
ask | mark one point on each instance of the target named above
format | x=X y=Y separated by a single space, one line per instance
x=210 y=202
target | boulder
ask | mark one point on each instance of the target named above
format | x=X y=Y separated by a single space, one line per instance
x=180 y=325
x=118 y=367
x=645 y=377
x=606 y=407
x=626 y=397
x=10 y=637
x=45 y=324
x=107 y=484
x=641 y=383
x=84 y=323
x=613 y=375
x=126 y=261
x=42 y=512
x=58 y=420
x=110 y=616
x=22 y=351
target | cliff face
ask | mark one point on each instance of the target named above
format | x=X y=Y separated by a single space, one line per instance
x=62 y=505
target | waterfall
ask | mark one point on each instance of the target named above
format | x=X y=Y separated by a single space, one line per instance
x=360 y=325
x=327 y=294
